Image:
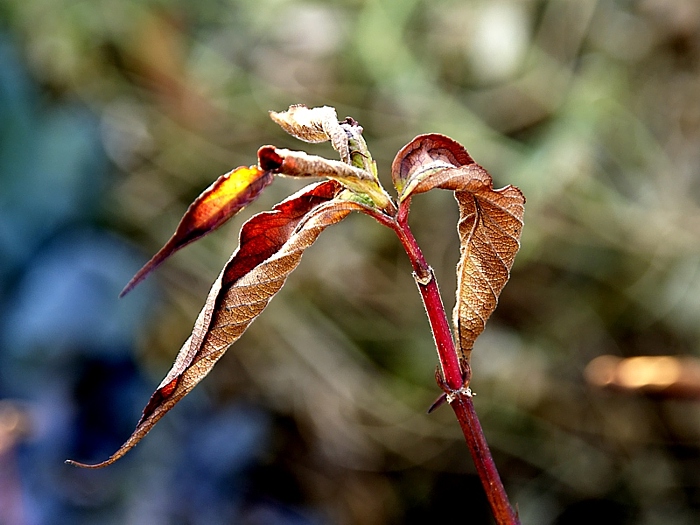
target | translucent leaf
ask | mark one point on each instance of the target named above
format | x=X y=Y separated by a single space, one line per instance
x=229 y=194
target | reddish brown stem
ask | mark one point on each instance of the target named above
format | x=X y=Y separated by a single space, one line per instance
x=428 y=287
x=485 y=466
x=452 y=379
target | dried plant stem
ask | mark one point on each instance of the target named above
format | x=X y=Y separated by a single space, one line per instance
x=452 y=380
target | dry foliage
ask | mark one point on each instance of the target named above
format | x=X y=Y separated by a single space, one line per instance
x=271 y=243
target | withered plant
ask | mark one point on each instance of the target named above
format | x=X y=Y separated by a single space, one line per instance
x=272 y=242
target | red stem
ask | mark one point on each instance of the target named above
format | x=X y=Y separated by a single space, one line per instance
x=485 y=466
x=453 y=381
x=428 y=287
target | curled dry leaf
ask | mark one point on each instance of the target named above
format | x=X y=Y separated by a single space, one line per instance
x=300 y=164
x=489 y=226
x=271 y=245
x=314 y=125
x=228 y=195
x=423 y=156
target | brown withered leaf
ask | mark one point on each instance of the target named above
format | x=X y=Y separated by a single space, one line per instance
x=299 y=164
x=314 y=125
x=489 y=226
x=228 y=195
x=423 y=156
x=270 y=247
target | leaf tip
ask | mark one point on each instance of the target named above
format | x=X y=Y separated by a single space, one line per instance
x=74 y=463
x=136 y=279
x=147 y=268
x=269 y=159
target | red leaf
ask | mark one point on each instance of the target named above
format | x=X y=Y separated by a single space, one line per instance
x=229 y=194
x=270 y=248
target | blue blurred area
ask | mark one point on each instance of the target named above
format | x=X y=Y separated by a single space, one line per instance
x=52 y=169
x=68 y=371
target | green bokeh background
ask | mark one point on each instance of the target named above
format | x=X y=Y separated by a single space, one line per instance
x=591 y=108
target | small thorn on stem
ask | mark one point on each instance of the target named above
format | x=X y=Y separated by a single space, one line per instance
x=437 y=403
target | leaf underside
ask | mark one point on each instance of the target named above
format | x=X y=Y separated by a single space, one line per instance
x=270 y=248
x=489 y=227
x=314 y=125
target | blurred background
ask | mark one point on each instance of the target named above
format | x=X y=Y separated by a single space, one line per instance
x=114 y=115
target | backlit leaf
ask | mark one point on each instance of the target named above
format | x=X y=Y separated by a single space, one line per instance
x=270 y=247
x=229 y=194
x=489 y=226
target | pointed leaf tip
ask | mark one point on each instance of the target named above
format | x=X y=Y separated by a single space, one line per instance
x=228 y=195
x=87 y=465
